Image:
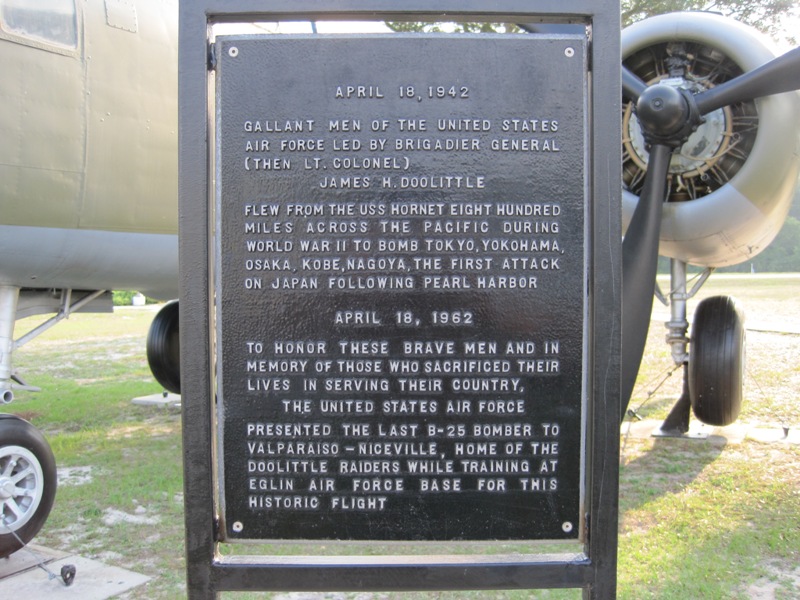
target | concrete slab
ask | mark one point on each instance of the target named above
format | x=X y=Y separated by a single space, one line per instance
x=651 y=427
x=775 y=435
x=22 y=560
x=93 y=580
x=732 y=434
x=167 y=400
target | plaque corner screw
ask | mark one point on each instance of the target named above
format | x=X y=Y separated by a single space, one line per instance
x=238 y=527
x=566 y=526
x=569 y=52
x=233 y=51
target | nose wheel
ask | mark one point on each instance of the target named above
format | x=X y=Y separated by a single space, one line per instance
x=716 y=361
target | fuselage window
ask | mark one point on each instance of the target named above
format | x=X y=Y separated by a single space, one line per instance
x=48 y=21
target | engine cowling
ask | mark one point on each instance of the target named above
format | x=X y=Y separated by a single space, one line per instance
x=732 y=183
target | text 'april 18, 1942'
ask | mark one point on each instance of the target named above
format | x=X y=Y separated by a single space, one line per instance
x=401 y=270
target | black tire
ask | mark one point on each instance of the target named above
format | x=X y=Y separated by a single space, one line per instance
x=164 y=348
x=27 y=483
x=717 y=360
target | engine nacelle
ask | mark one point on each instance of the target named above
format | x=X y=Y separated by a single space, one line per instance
x=164 y=348
x=732 y=183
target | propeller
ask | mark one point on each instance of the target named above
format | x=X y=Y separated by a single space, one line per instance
x=779 y=75
x=632 y=86
x=667 y=117
x=639 y=264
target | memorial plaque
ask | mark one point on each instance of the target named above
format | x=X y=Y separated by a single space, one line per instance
x=400 y=285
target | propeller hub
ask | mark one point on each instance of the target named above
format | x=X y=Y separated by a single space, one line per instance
x=667 y=115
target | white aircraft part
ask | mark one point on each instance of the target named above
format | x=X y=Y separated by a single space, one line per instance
x=88 y=259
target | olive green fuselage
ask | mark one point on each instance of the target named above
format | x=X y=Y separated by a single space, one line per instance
x=88 y=163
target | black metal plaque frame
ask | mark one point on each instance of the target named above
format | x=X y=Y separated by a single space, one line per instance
x=595 y=569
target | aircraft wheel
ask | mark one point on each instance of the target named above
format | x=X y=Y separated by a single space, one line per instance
x=163 y=348
x=716 y=361
x=27 y=482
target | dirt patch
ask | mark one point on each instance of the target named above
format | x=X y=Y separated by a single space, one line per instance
x=28 y=415
x=112 y=516
x=782 y=581
x=68 y=476
x=152 y=430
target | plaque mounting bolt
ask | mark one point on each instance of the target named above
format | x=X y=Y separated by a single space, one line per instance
x=566 y=526
x=233 y=52
x=569 y=52
x=238 y=527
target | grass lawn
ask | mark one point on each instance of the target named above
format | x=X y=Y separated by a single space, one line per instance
x=699 y=519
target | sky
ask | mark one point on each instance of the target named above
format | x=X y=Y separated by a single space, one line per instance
x=791 y=25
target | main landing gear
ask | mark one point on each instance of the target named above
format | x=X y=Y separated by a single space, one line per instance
x=27 y=467
x=163 y=348
x=27 y=482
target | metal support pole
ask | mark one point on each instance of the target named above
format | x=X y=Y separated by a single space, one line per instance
x=9 y=296
x=67 y=308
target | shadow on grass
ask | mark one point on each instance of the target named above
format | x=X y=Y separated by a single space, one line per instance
x=668 y=467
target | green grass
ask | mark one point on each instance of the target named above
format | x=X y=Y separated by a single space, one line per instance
x=705 y=528
x=698 y=519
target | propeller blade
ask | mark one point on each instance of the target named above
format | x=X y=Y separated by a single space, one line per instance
x=632 y=86
x=639 y=264
x=779 y=75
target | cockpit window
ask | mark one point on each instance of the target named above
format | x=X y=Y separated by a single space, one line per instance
x=48 y=21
